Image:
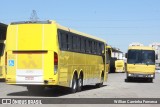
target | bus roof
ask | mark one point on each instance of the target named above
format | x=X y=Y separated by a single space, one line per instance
x=77 y=32
x=59 y=26
x=141 y=48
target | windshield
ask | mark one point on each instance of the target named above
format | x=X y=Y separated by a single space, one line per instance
x=141 y=57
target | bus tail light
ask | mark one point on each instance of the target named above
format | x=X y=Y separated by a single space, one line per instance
x=55 y=62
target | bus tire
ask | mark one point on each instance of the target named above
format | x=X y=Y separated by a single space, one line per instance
x=74 y=84
x=80 y=83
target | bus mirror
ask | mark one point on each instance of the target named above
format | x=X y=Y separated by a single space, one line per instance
x=126 y=54
x=156 y=57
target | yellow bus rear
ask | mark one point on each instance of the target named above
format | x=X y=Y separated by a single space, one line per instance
x=119 y=66
x=45 y=54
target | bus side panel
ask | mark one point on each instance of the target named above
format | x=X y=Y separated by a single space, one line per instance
x=79 y=64
x=70 y=62
x=71 y=68
x=93 y=69
x=64 y=59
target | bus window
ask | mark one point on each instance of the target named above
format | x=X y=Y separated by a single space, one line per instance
x=99 y=47
x=70 y=42
x=82 y=44
x=87 y=46
x=93 y=47
x=78 y=44
x=64 y=41
x=74 y=42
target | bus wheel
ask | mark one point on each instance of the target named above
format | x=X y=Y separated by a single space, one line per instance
x=74 y=84
x=80 y=83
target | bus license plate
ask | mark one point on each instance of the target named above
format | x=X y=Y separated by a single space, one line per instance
x=29 y=78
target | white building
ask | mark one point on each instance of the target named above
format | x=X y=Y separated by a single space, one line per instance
x=116 y=53
x=156 y=46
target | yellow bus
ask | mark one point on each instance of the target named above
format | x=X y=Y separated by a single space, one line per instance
x=45 y=54
x=3 y=29
x=141 y=63
x=119 y=66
